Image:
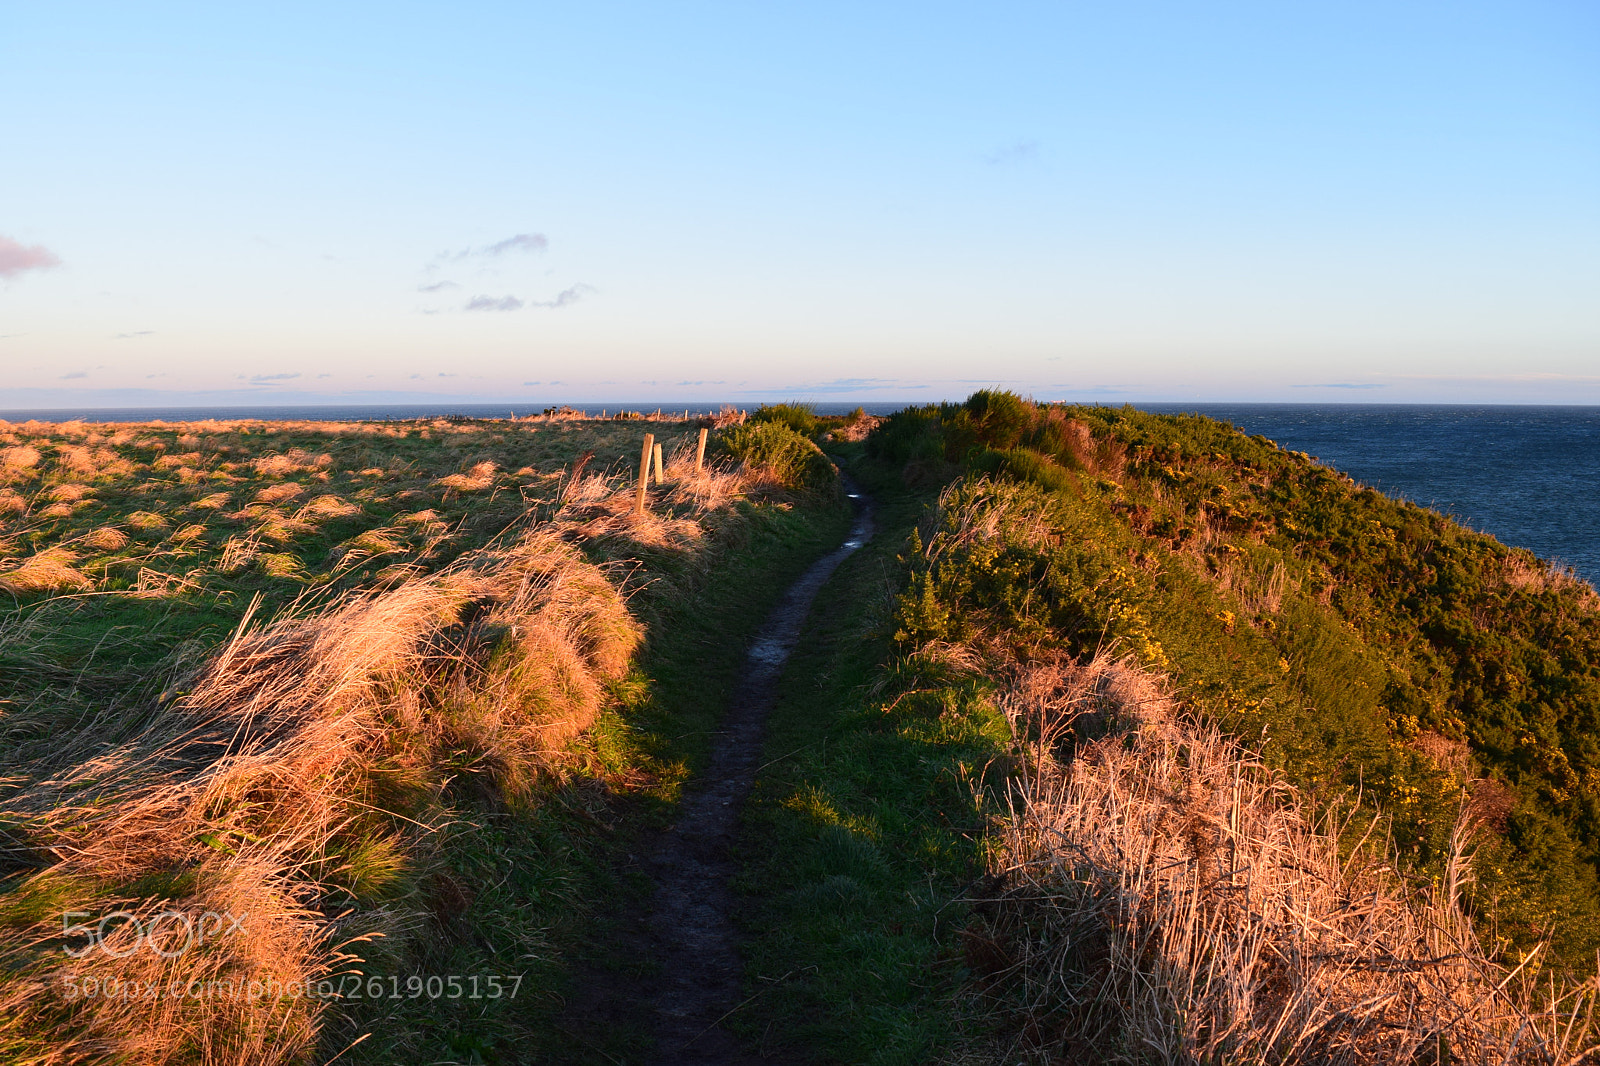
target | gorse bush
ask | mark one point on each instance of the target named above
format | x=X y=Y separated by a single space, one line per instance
x=800 y=417
x=780 y=452
x=1378 y=649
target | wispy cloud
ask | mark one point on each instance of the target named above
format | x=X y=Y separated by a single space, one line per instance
x=135 y=333
x=1344 y=385
x=1014 y=153
x=494 y=303
x=482 y=260
x=75 y=374
x=564 y=297
x=521 y=242
x=263 y=379
x=17 y=259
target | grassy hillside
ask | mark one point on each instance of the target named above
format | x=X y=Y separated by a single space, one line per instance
x=1374 y=649
x=300 y=706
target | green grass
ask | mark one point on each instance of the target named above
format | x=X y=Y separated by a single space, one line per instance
x=863 y=828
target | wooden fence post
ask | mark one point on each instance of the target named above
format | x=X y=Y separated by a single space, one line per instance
x=644 y=472
x=700 y=453
x=661 y=476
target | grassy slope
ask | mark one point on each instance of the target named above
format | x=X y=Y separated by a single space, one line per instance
x=1375 y=645
x=1353 y=633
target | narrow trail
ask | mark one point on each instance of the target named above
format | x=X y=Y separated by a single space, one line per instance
x=693 y=868
x=689 y=933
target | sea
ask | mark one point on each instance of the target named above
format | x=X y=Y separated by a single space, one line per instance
x=1528 y=475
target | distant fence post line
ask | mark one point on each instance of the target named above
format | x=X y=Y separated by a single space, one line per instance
x=644 y=471
x=700 y=452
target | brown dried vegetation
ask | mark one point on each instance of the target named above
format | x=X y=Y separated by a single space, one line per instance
x=1160 y=895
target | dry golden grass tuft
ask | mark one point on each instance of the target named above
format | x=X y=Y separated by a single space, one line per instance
x=188 y=534
x=328 y=507
x=50 y=570
x=425 y=519
x=1523 y=571
x=20 y=457
x=250 y=796
x=105 y=539
x=1446 y=753
x=82 y=460
x=284 y=490
x=601 y=507
x=238 y=553
x=1161 y=896
x=372 y=542
x=858 y=428
x=294 y=461
x=146 y=521
x=477 y=478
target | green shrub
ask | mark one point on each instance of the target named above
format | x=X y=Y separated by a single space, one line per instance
x=998 y=418
x=800 y=417
x=1024 y=464
x=914 y=433
x=792 y=459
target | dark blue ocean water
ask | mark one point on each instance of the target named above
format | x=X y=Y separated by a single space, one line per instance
x=1528 y=475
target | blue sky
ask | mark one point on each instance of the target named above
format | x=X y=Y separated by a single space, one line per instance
x=1302 y=202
